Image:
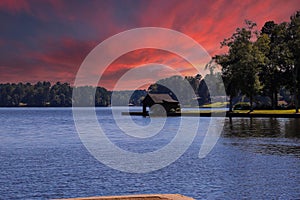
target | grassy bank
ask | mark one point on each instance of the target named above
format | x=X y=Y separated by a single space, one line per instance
x=244 y=113
x=273 y=112
x=215 y=105
x=222 y=113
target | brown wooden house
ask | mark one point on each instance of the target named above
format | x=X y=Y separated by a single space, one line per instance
x=165 y=100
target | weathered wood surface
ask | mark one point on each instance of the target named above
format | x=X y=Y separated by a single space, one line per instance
x=137 y=197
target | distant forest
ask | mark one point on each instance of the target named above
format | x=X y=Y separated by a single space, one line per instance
x=43 y=94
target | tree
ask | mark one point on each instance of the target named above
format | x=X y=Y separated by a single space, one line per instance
x=102 y=97
x=178 y=87
x=274 y=43
x=294 y=44
x=61 y=94
x=229 y=78
x=241 y=65
x=194 y=81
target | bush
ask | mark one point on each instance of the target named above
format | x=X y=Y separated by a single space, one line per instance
x=242 y=106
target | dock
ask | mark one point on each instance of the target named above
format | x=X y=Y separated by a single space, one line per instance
x=137 y=197
x=217 y=114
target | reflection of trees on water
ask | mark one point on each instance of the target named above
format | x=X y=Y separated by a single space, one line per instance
x=277 y=149
x=261 y=127
x=292 y=128
x=268 y=136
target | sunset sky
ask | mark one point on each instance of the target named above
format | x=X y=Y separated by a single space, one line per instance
x=48 y=40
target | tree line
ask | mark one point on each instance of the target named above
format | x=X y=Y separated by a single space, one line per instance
x=263 y=62
x=189 y=90
x=39 y=94
x=43 y=94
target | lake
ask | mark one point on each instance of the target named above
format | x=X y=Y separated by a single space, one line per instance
x=43 y=157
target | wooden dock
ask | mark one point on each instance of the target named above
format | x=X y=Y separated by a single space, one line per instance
x=217 y=114
x=175 y=114
x=137 y=197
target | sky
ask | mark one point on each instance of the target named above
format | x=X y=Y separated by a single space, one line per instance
x=49 y=40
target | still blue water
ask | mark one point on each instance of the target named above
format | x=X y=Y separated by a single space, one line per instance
x=42 y=157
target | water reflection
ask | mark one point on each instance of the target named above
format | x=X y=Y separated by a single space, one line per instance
x=292 y=128
x=268 y=136
x=262 y=127
x=278 y=149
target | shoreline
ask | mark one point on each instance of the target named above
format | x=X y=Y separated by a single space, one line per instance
x=219 y=114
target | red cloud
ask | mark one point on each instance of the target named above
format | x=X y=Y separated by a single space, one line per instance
x=14 y=6
x=210 y=22
x=141 y=57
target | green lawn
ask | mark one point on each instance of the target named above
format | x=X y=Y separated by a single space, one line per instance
x=215 y=105
x=292 y=111
x=202 y=111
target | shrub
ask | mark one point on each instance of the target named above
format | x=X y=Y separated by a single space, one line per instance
x=242 y=106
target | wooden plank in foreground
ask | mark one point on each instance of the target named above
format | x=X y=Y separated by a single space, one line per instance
x=137 y=197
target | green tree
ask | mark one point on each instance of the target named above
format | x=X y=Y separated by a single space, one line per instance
x=102 y=97
x=294 y=44
x=242 y=62
x=274 y=41
x=177 y=87
x=60 y=95
x=230 y=80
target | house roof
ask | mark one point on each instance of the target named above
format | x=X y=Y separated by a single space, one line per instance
x=282 y=102
x=161 y=98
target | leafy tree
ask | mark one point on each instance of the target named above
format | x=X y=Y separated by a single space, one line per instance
x=41 y=93
x=191 y=91
x=230 y=80
x=294 y=44
x=242 y=62
x=203 y=93
x=61 y=95
x=194 y=81
x=128 y=97
x=102 y=97
x=214 y=80
x=274 y=43
x=177 y=87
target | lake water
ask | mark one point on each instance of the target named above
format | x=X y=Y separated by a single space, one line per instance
x=42 y=157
